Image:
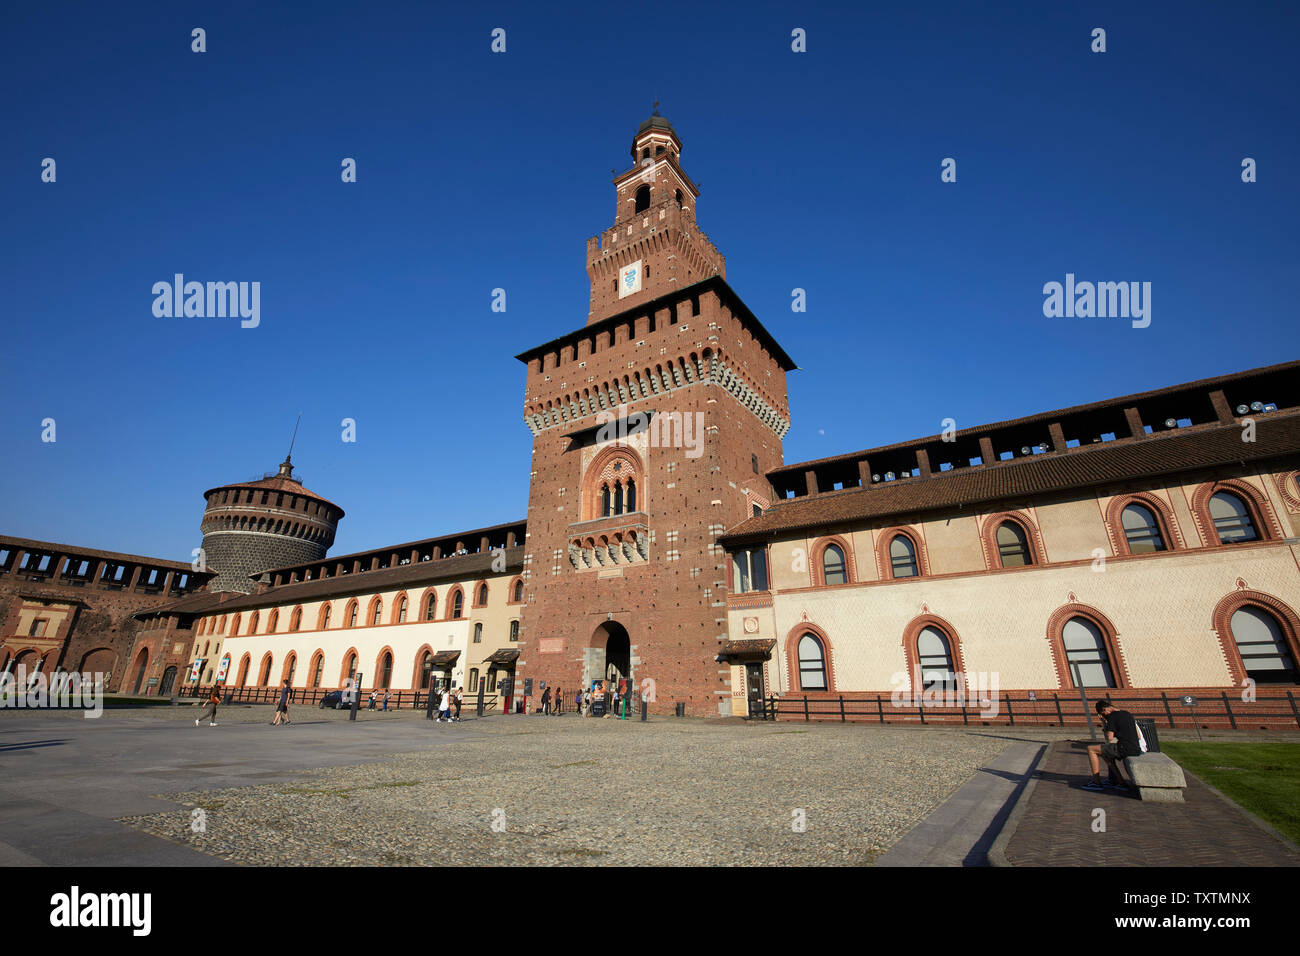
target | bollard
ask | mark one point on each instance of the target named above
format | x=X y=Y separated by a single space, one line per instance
x=356 y=697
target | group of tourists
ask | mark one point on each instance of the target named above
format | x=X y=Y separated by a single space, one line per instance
x=606 y=696
x=448 y=703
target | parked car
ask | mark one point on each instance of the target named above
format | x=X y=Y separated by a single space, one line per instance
x=337 y=699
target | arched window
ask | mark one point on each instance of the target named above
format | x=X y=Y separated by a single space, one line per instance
x=482 y=594
x=317 y=668
x=325 y=617
x=352 y=613
x=902 y=557
x=1085 y=654
x=401 y=609
x=350 y=665
x=629 y=492
x=1013 y=546
x=1263 y=647
x=519 y=592
x=430 y=606
x=234 y=626
x=243 y=669
x=296 y=620
x=934 y=654
x=252 y=623
x=273 y=622
x=812 y=663
x=266 y=671
x=604 y=501
x=457 y=604
x=1141 y=530
x=678 y=197
x=1232 y=521
x=290 y=666
x=833 y=565
x=618 y=498
x=385 y=669
x=514 y=630
x=376 y=610
x=643 y=195
x=478 y=633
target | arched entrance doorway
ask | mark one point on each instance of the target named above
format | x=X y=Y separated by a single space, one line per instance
x=612 y=653
x=141 y=663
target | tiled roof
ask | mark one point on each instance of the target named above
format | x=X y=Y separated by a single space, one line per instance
x=405 y=546
x=1200 y=385
x=274 y=483
x=192 y=604
x=1158 y=454
x=403 y=575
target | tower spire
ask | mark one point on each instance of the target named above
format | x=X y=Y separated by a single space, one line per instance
x=286 y=466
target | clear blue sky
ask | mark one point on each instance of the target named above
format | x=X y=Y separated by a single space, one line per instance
x=476 y=171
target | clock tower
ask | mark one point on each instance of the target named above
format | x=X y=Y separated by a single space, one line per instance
x=654 y=245
x=654 y=425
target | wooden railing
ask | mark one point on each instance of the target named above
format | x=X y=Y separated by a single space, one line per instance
x=1270 y=710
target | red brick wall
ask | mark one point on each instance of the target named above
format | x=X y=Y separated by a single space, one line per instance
x=674 y=617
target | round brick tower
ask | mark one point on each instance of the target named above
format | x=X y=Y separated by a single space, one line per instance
x=251 y=526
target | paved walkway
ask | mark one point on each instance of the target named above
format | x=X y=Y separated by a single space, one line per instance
x=961 y=830
x=1053 y=825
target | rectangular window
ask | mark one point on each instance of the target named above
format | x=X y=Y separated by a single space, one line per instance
x=751 y=570
x=514 y=631
x=38 y=627
x=473 y=680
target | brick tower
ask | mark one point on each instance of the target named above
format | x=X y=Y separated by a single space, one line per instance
x=273 y=522
x=653 y=426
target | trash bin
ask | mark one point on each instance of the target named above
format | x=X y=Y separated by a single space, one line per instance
x=1148 y=727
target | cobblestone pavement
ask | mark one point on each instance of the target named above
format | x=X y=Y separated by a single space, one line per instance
x=587 y=791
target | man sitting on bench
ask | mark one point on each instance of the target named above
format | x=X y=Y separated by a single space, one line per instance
x=1121 y=741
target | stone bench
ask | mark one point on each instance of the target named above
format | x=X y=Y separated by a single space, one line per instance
x=1156 y=777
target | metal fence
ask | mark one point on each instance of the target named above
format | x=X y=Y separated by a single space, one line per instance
x=311 y=697
x=1276 y=711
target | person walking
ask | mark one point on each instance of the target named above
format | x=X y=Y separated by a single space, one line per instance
x=386 y=696
x=546 y=701
x=613 y=699
x=559 y=701
x=211 y=713
x=577 y=701
x=444 y=706
x=457 y=700
x=282 y=708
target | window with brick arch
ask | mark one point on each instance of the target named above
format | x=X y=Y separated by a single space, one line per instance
x=519 y=591
x=812 y=663
x=457 y=605
x=482 y=594
x=833 y=565
x=430 y=607
x=902 y=557
x=612 y=487
x=1013 y=545
x=1232 y=521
